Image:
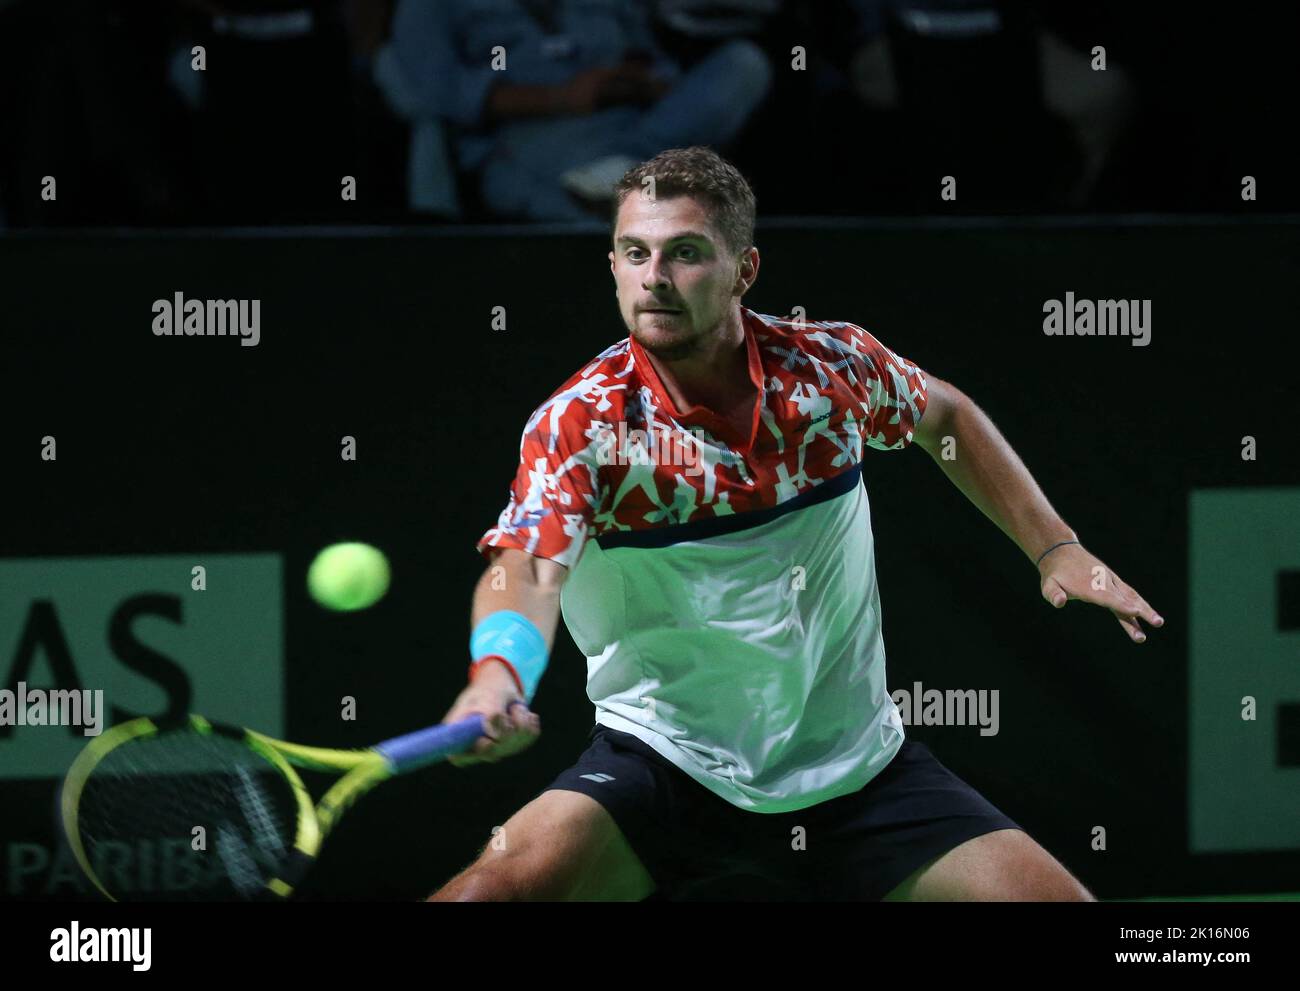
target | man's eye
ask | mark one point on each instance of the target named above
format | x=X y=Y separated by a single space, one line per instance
x=689 y=252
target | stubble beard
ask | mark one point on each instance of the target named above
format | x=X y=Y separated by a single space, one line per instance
x=676 y=350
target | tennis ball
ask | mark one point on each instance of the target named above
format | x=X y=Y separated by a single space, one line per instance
x=348 y=576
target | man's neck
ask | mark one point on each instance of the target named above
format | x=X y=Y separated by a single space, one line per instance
x=716 y=377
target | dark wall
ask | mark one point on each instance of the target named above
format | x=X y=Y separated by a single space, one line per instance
x=200 y=445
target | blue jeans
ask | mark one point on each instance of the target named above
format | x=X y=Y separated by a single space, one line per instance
x=707 y=105
x=430 y=174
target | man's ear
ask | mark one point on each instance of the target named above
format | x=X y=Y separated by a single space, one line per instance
x=747 y=270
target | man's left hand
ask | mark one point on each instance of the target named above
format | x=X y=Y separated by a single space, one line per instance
x=1070 y=572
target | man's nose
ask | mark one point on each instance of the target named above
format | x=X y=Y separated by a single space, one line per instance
x=654 y=276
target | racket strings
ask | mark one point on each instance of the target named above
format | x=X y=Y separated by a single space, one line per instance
x=184 y=815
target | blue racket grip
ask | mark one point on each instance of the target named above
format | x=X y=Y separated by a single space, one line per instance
x=427 y=746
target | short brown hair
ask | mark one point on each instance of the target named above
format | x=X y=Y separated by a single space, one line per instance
x=703 y=174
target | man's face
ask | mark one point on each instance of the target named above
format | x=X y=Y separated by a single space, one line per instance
x=676 y=278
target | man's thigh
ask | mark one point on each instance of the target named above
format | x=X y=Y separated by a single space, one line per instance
x=561 y=846
x=1004 y=865
x=867 y=843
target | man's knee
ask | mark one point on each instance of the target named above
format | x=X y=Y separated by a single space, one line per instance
x=1066 y=888
x=483 y=882
x=1033 y=874
x=1004 y=865
x=517 y=872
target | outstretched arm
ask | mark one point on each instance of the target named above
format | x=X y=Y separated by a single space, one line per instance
x=530 y=586
x=977 y=459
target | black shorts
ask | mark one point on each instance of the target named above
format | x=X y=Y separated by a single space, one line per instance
x=857 y=847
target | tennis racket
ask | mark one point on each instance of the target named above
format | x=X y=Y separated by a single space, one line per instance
x=189 y=809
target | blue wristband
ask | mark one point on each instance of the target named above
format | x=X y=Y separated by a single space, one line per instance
x=514 y=637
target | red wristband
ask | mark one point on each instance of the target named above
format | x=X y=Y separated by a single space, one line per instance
x=474 y=667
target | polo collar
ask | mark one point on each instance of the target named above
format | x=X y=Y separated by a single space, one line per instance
x=700 y=415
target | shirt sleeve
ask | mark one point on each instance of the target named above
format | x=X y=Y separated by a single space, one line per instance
x=556 y=492
x=891 y=389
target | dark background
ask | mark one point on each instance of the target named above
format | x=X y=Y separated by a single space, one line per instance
x=199 y=444
x=85 y=96
x=379 y=327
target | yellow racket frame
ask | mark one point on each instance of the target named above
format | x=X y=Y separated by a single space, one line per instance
x=361 y=769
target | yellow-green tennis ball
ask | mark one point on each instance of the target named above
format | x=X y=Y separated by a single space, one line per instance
x=348 y=576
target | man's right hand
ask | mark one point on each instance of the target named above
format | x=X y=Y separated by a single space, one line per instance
x=510 y=725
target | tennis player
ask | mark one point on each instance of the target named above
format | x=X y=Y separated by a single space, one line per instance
x=693 y=500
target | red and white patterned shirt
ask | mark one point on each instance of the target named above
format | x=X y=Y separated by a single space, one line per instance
x=723 y=587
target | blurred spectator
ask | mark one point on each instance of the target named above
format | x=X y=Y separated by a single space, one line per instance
x=546 y=103
x=974 y=79
x=689 y=29
x=1098 y=106
x=832 y=107
x=809 y=101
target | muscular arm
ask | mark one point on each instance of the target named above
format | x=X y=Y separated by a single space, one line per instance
x=985 y=468
x=523 y=583
x=982 y=464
